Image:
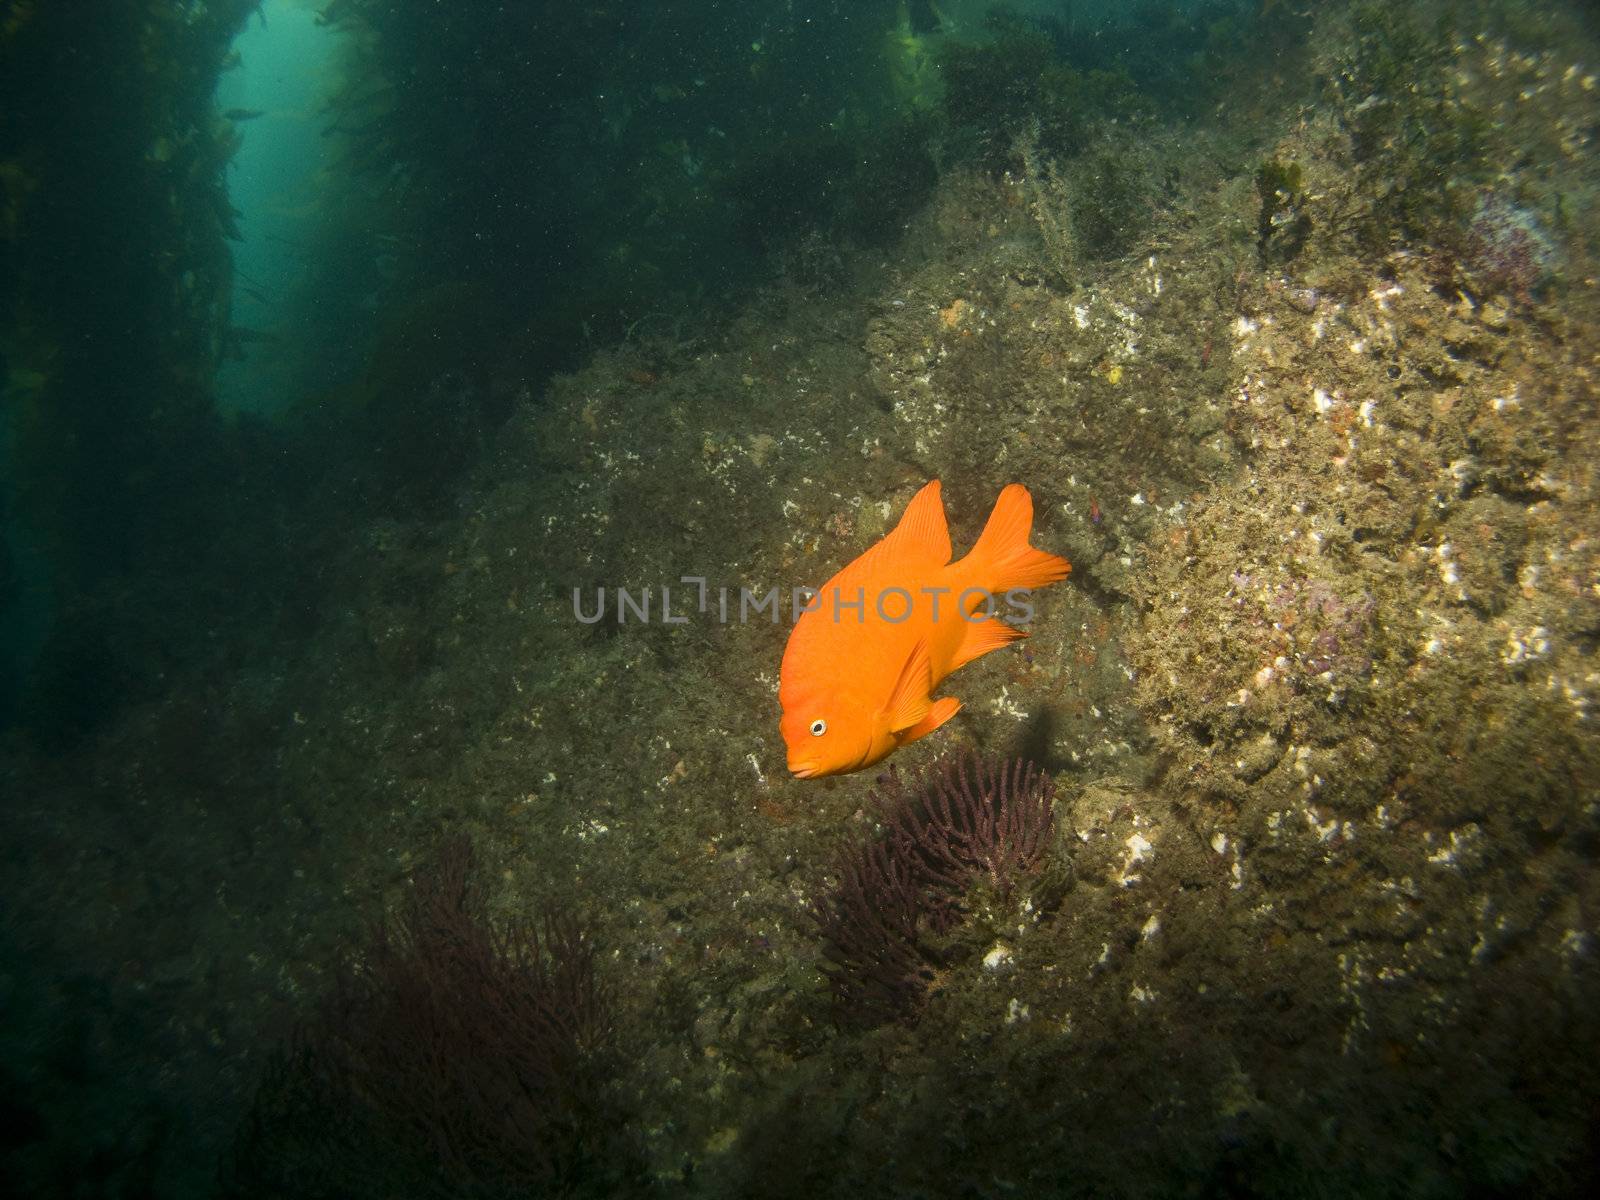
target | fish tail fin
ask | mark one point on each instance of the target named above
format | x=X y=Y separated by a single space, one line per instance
x=1002 y=560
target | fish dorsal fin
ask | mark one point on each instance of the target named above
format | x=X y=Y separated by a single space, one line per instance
x=910 y=700
x=921 y=539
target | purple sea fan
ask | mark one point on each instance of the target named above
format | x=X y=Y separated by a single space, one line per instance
x=969 y=817
x=458 y=1056
x=966 y=821
x=877 y=971
x=472 y=1037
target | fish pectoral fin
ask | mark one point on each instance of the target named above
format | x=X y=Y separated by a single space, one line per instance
x=940 y=712
x=982 y=637
x=910 y=701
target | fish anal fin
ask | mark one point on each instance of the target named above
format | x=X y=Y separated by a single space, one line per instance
x=940 y=712
x=982 y=637
x=910 y=701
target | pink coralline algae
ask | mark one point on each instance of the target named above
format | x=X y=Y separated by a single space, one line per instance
x=1506 y=249
x=1312 y=630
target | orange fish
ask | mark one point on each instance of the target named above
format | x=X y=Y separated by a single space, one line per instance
x=858 y=675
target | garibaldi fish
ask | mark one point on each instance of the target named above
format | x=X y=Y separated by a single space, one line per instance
x=864 y=659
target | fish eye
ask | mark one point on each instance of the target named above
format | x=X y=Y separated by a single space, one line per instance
x=819 y=727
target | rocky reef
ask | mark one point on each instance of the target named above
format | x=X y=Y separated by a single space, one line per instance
x=1318 y=706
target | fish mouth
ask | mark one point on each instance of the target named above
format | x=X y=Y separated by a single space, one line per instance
x=803 y=770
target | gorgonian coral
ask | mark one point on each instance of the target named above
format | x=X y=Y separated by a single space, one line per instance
x=457 y=1056
x=966 y=823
